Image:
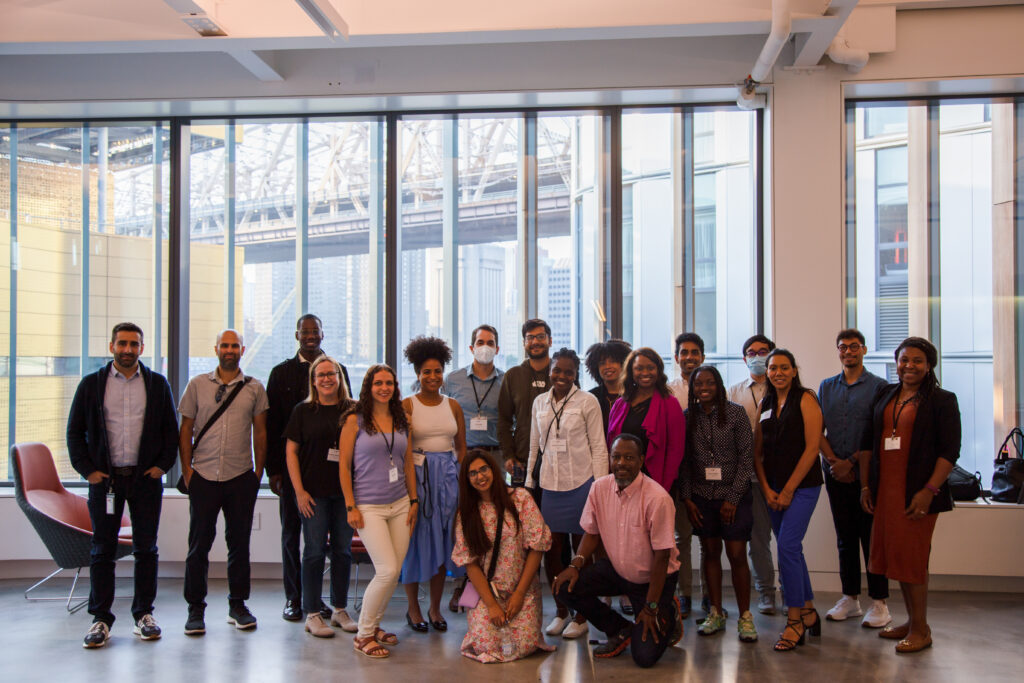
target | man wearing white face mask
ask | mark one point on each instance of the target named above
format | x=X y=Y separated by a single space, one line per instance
x=748 y=393
x=476 y=388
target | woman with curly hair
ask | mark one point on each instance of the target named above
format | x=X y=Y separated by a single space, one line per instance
x=649 y=411
x=438 y=447
x=379 y=485
x=604 y=364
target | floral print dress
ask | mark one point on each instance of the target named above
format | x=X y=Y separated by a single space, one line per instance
x=483 y=641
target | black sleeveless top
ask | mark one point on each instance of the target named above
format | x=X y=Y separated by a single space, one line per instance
x=783 y=442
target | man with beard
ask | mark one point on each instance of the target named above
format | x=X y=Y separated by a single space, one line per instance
x=220 y=473
x=632 y=517
x=288 y=386
x=122 y=437
x=519 y=387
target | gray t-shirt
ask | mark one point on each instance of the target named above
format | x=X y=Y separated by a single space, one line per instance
x=226 y=449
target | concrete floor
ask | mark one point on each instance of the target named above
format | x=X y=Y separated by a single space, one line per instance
x=977 y=638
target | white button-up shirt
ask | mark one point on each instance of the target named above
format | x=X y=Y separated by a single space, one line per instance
x=581 y=427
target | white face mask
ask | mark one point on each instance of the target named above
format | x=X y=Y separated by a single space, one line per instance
x=484 y=354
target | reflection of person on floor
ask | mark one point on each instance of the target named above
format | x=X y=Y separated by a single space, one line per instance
x=634 y=518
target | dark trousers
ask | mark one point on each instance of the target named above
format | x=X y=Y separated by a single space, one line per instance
x=144 y=498
x=329 y=518
x=291 y=532
x=600 y=579
x=237 y=498
x=853 y=536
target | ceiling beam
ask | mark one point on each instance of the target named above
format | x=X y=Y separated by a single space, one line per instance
x=811 y=47
x=256 y=65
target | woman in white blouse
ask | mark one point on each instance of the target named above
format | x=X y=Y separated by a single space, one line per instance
x=567 y=437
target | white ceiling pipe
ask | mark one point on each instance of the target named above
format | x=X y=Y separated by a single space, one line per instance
x=777 y=37
x=841 y=52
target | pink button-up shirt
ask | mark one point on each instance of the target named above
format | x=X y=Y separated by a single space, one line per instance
x=633 y=523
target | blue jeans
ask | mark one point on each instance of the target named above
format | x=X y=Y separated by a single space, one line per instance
x=790 y=526
x=329 y=518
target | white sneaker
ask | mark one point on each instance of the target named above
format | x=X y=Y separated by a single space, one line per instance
x=877 y=616
x=848 y=606
x=557 y=625
x=575 y=630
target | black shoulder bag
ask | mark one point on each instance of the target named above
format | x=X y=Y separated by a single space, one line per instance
x=1008 y=476
x=209 y=423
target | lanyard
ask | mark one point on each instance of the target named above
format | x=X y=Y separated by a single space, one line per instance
x=560 y=411
x=390 y=446
x=895 y=414
x=480 y=401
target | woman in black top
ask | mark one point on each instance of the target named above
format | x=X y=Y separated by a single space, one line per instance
x=785 y=456
x=604 y=363
x=312 y=456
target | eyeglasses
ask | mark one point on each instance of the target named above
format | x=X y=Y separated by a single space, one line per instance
x=221 y=390
x=479 y=472
x=855 y=347
x=536 y=337
x=751 y=353
x=327 y=375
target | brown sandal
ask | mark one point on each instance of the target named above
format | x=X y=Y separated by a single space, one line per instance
x=371 y=648
x=385 y=638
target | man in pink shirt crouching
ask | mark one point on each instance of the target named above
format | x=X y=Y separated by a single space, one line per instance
x=634 y=518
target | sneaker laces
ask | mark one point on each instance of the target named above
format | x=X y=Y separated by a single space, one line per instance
x=147 y=621
x=99 y=627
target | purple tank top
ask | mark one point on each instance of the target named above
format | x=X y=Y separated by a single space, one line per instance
x=370 y=466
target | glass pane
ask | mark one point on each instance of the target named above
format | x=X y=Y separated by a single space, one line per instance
x=725 y=290
x=5 y=296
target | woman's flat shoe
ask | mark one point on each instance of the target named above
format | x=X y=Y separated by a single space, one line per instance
x=418 y=626
x=907 y=645
x=439 y=624
x=894 y=632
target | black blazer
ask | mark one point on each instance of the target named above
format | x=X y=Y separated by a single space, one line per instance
x=87 y=430
x=936 y=435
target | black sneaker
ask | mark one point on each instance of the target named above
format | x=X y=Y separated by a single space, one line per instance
x=241 y=617
x=98 y=635
x=195 y=626
x=146 y=628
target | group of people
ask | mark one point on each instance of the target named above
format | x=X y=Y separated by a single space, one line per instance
x=486 y=475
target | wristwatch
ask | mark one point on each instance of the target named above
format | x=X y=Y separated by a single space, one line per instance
x=350 y=508
x=652 y=606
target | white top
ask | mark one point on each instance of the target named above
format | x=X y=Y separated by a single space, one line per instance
x=748 y=394
x=574 y=444
x=680 y=388
x=433 y=427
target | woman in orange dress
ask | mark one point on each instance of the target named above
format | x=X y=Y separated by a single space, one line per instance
x=914 y=442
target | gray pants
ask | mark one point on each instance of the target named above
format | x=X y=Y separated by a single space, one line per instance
x=760 y=544
x=684 y=536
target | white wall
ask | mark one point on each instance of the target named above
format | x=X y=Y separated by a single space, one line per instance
x=806 y=266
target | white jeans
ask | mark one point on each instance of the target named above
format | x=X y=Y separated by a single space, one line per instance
x=386 y=538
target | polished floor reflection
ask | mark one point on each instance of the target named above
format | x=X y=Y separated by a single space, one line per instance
x=975 y=637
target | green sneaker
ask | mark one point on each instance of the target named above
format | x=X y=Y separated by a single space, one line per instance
x=714 y=623
x=747 y=631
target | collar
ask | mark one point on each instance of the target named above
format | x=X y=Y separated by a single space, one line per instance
x=751 y=383
x=113 y=371
x=212 y=376
x=307 y=362
x=471 y=376
x=842 y=378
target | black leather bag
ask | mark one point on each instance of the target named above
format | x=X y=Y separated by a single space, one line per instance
x=1008 y=475
x=963 y=485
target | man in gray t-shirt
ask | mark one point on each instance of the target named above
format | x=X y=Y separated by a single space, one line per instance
x=221 y=474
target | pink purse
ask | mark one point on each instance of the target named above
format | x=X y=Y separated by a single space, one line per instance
x=470 y=598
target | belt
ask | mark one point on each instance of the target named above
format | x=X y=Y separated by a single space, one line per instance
x=123 y=471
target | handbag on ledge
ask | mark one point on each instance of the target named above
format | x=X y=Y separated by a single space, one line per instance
x=1008 y=475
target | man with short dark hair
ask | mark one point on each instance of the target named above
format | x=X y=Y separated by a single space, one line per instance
x=221 y=473
x=846 y=402
x=476 y=388
x=749 y=393
x=519 y=387
x=122 y=437
x=632 y=517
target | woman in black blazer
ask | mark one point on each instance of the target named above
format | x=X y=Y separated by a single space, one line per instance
x=914 y=442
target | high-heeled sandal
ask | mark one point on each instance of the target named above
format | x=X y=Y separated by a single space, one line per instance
x=784 y=644
x=453 y=604
x=814 y=628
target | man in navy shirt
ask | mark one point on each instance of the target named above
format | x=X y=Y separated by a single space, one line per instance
x=846 y=401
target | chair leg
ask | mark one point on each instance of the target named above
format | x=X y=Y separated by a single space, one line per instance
x=357 y=602
x=72 y=608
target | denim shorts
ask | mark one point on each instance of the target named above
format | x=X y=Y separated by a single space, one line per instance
x=712 y=526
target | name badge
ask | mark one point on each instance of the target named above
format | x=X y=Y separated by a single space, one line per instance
x=110 y=503
x=713 y=473
x=765 y=415
x=557 y=447
x=478 y=424
x=418 y=459
x=392 y=475
x=540 y=383
x=333 y=455
x=892 y=443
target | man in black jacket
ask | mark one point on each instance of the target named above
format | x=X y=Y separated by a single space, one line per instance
x=288 y=386
x=122 y=437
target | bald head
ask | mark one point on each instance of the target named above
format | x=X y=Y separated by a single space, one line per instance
x=229 y=350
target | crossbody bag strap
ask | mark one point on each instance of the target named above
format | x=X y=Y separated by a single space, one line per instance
x=220 y=411
x=496 y=549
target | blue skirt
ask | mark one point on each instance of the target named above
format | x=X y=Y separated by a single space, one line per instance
x=562 y=509
x=430 y=548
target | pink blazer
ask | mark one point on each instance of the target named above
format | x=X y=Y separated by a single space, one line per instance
x=666 y=436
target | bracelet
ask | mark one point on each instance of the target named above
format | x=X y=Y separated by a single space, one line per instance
x=865 y=488
x=414 y=501
x=931 y=488
x=572 y=566
x=576 y=557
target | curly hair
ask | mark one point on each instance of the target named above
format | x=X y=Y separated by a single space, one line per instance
x=629 y=385
x=364 y=406
x=421 y=349
x=571 y=355
x=613 y=349
x=693 y=404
